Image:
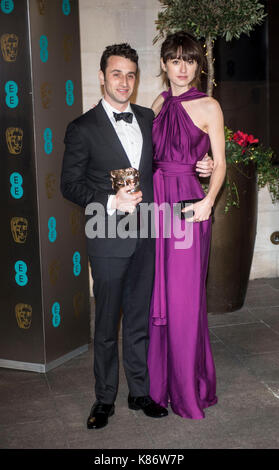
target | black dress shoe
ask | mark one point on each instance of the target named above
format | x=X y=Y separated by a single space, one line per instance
x=148 y=406
x=99 y=414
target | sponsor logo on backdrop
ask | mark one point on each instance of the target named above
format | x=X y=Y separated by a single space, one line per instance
x=54 y=271
x=14 y=140
x=56 y=318
x=69 y=87
x=76 y=263
x=52 y=234
x=44 y=48
x=21 y=277
x=19 y=229
x=23 y=315
x=68 y=44
x=16 y=181
x=50 y=184
x=9 y=47
x=7 y=6
x=66 y=7
x=11 y=90
x=46 y=93
x=76 y=221
x=42 y=4
x=78 y=303
x=48 y=145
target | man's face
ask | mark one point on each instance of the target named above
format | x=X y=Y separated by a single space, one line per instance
x=118 y=81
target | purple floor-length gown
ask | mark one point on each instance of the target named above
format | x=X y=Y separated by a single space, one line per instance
x=180 y=361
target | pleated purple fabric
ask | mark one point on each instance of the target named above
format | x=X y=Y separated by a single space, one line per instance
x=180 y=360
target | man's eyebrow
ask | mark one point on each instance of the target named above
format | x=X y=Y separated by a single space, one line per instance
x=121 y=71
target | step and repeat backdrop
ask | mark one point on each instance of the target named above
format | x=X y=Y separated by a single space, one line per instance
x=44 y=305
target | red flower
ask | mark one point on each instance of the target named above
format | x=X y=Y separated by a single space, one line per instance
x=251 y=139
x=239 y=138
x=243 y=139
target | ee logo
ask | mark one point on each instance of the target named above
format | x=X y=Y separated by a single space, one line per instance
x=52 y=234
x=43 y=49
x=7 y=6
x=11 y=90
x=69 y=92
x=48 y=141
x=16 y=181
x=66 y=7
x=76 y=262
x=21 y=276
x=55 y=310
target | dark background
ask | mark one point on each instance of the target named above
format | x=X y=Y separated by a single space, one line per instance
x=247 y=77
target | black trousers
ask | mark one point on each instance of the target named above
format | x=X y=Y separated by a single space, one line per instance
x=127 y=283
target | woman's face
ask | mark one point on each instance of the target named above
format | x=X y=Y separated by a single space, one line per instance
x=180 y=73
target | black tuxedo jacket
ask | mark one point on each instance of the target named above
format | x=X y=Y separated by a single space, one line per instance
x=92 y=150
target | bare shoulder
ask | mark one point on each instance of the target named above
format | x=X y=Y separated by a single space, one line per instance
x=211 y=105
x=157 y=104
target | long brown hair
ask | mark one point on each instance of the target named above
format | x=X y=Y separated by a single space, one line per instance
x=183 y=46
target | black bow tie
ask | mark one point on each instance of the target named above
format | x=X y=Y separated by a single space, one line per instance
x=127 y=117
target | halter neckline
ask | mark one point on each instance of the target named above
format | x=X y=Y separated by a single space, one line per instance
x=190 y=94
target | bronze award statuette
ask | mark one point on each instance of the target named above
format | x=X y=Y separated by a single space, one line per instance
x=125 y=177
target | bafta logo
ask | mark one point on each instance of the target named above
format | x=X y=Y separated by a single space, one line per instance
x=42 y=6
x=50 y=184
x=14 y=139
x=19 y=228
x=45 y=95
x=23 y=315
x=9 y=47
x=75 y=221
x=67 y=47
x=54 y=269
x=78 y=303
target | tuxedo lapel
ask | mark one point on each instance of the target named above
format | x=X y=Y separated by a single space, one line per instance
x=143 y=127
x=110 y=136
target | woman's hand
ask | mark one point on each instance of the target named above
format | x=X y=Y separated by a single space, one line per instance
x=202 y=210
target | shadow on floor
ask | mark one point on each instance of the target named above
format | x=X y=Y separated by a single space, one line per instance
x=49 y=411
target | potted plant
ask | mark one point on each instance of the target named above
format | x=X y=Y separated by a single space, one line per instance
x=249 y=164
x=243 y=149
x=249 y=168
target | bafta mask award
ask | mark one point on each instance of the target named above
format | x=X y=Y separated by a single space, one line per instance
x=125 y=177
x=23 y=315
x=9 y=46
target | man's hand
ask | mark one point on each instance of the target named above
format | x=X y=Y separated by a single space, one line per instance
x=125 y=201
x=205 y=166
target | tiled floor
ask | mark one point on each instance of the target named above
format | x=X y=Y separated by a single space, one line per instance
x=39 y=411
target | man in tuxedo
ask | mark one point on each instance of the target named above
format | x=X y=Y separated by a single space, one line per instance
x=116 y=134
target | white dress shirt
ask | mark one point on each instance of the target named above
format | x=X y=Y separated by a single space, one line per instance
x=130 y=137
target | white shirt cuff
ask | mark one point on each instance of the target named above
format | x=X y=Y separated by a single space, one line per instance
x=109 y=210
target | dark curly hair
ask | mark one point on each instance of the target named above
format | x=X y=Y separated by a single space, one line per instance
x=122 y=50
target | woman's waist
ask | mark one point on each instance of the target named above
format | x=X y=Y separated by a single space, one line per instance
x=173 y=168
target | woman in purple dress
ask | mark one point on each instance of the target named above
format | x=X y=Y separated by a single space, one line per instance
x=187 y=124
